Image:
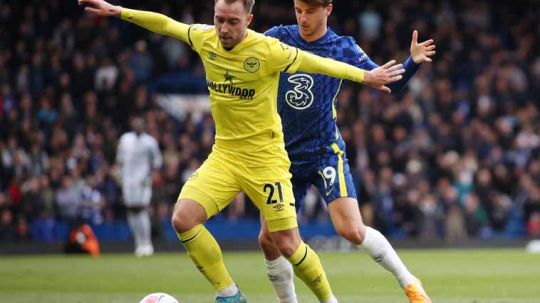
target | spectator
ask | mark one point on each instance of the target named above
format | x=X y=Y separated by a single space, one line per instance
x=69 y=200
x=458 y=150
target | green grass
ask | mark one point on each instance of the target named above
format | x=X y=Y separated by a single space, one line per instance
x=450 y=276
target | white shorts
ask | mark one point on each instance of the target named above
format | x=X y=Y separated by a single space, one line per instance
x=136 y=194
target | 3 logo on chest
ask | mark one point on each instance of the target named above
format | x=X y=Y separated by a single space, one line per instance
x=300 y=96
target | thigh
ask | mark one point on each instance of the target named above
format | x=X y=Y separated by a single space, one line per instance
x=135 y=194
x=333 y=178
x=213 y=185
x=269 y=187
x=147 y=195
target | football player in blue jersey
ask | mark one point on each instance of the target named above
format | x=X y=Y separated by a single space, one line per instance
x=306 y=103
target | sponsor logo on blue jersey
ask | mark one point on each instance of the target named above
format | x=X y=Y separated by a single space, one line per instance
x=300 y=96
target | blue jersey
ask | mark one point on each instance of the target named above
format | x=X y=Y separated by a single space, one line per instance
x=307 y=102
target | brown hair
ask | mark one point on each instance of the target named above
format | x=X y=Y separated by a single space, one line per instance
x=248 y=4
x=323 y=3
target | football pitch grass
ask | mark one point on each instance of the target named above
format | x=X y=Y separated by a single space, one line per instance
x=450 y=276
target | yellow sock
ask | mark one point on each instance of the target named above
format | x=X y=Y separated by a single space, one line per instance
x=205 y=252
x=307 y=267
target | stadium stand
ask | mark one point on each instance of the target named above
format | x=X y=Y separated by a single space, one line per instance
x=455 y=156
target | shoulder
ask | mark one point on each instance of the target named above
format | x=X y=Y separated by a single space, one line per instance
x=355 y=51
x=281 y=31
x=201 y=30
x=273 y=31
x=347 y=47
x=150 y=139
x=126 y=136
x=263 y=39
x=350 y=43
x=269 y=48
x=346 y=42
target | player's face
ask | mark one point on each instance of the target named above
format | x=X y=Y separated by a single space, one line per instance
x=138 y=125
x=311 y=19
x=231 y=21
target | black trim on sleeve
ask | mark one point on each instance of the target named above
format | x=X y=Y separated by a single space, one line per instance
x=189 y=36
x=288 y=66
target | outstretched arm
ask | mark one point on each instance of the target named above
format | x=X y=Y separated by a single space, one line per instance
x=390 y=72
x=420 y=53
x=155 y=22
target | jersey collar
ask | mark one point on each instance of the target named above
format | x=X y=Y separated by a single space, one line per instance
x=249 y=35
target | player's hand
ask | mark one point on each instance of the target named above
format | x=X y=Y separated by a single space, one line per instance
x=382 y=75
x=421 y=52
x=101 y=8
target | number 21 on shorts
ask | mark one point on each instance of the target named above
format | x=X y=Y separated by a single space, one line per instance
x=271 y=189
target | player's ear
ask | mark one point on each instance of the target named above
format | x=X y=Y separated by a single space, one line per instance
x=249 y=18
x=329 y=8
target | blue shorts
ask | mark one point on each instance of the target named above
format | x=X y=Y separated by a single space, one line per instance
x=329 y=172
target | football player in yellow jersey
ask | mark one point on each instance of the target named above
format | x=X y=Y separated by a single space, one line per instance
x=242 y=71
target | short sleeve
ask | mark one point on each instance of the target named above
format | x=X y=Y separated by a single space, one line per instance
x=283 y=57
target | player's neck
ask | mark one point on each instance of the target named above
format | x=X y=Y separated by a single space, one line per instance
x=231 y=48
x=315 y=36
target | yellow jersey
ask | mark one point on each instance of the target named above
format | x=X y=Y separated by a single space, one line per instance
x=243 y=82
x=243 y=85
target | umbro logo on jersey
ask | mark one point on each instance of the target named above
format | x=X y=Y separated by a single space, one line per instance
x=212 y=56
x=279 y=206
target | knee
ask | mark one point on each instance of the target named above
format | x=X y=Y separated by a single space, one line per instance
x=265 y=240
x=354 y=233
x=181 y=221
x=186 y=215
x=287 y=249
x=287 y=245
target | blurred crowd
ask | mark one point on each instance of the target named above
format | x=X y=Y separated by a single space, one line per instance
x=456 y=155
